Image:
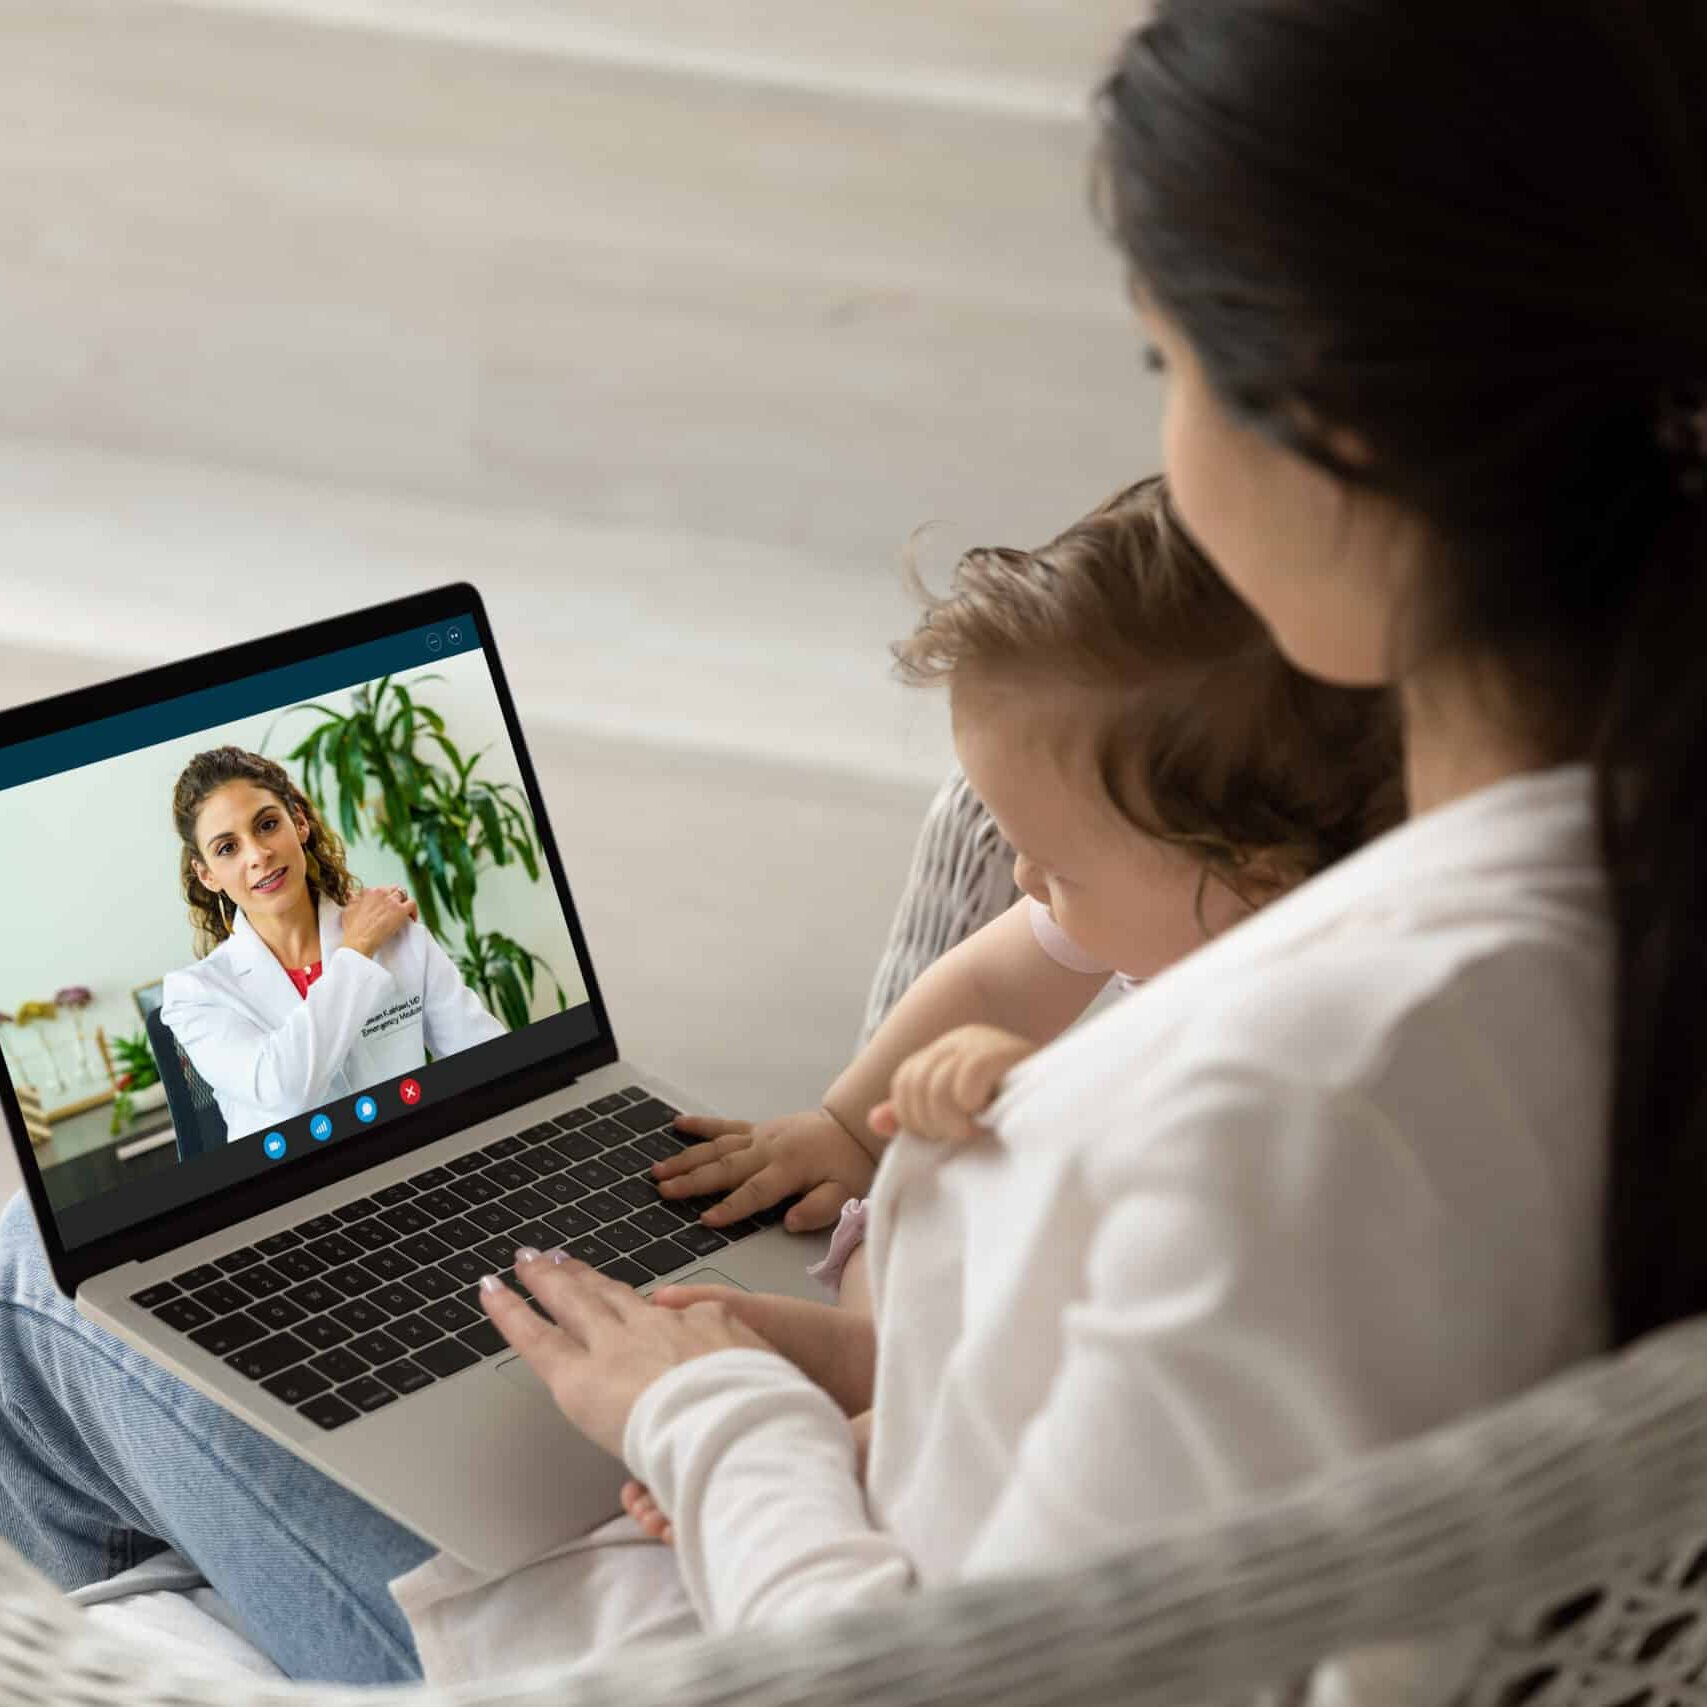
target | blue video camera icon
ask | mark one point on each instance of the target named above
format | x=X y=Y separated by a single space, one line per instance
x=274 y=1144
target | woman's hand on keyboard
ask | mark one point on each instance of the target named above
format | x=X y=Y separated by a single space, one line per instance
x=805 y=1155
x=941 y=1091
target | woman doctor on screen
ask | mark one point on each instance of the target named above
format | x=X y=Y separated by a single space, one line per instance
x=311 y=989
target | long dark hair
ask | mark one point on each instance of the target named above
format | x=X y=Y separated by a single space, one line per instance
x=1476 y=236
x=328 y=872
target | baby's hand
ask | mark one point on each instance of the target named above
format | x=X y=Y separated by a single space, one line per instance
x=939 y=1092
x=804 y=1155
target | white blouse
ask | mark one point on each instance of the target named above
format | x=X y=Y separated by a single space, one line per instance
x=1331 y=1181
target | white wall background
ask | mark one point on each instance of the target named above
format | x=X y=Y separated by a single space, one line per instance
x=89 y=870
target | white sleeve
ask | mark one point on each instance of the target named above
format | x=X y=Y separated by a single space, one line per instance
x=453 y=1017
x=1257 y=1303
x=1056 y=943
x=289 y=1068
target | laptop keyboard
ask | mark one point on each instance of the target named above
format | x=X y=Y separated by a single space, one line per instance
x=352 y=1310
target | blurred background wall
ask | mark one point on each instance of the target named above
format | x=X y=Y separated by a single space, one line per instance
x=665 y=324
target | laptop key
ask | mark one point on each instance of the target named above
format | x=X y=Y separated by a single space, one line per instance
x=625 y=1236
x=429 y=1180
x=625 y=1269
x=607 y=1132
x=422 y=1248
x=647 y=1115
x=261 y=1281
x=268 y=1356
x=472 y=1163
x=540 y=1234
x=441 y=1204
x=458 y=1234
x=356 y=1211
x=700 y=1239
x=222 y=1298
x=476 y=1188
x=588 y=1249
x=276 y=1242
x=570 y=1118
x=658 y=1145
x=229 y=1334
x=526 y=1203
x=570 y=1223
x=575 y=1147
x=339 y=1365
x=602 y=1206
x=404 y=1376
x=406 y=1218
x=492 y=1218
x=329 y=1411
x=371 y=1234
x=275 y=1312
x=366 y=1394
x=297 y=1385
x=502 y=1147
x=191 y=1278
x=451 y=1314
x=662 y=1255
x=158 y=1293
x=394 y=1298
x=496 y=1254
x=237 y=1259
x=314 y=1296
x=533 y=1134
x=559 y=1188
x=446 y=1357
x=431 y=1282
x=360 y=1315
x=335 y=1248
x=183 y=1314
x=484 y=1338
x=415 y=1331
x=377 y=1347
x=298 y=1265
x=609 y=1105
x=656 y=1222
x=390 y=1194
x=639 y=1192
x=317 y=1227
x=596 y=1173
x=466 y=1267
x=323 y=1332
x=510 y=1176
x=352 y=1280
x=389 y=1265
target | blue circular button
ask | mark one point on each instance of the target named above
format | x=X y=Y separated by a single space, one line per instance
x=434 y=642
x=274 y=1144
x=366 y=1109
x=320 y=1128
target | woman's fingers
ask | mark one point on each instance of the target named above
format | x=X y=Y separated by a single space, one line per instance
x=579 y=1299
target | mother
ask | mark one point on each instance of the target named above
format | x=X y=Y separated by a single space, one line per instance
x=1432 y=285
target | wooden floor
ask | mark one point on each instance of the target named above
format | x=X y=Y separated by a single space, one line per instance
x=665 y=324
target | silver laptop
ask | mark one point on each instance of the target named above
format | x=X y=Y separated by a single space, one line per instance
x=298 y=1229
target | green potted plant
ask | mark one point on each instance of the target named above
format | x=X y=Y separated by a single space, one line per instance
x=136 y=1073
x=404 y=783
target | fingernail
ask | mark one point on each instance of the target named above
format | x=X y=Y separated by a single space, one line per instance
x=526 y=1253
x=558 y=1256
x=491 y=1283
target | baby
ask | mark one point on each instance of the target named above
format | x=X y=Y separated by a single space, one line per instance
x=1160 y=772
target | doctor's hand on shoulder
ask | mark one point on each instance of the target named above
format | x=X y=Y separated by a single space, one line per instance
x=375 y=917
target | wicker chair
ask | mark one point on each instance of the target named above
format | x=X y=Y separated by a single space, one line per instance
x=1570 y=1523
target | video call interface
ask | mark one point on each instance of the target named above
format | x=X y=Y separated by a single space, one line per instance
x=199 y=1017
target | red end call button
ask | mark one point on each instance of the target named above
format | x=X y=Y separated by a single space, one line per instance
x=410 y=1092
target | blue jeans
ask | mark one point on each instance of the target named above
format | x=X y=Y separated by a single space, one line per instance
x=104 y=1458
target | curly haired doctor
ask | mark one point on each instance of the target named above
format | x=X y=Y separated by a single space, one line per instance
x=308 y=988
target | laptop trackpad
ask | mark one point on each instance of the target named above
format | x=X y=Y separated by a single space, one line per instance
x=519 y=1374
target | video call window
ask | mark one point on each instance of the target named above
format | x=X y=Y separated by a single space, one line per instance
x=269 y=931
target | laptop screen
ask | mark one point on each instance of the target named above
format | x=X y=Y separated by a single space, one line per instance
x=272 y=918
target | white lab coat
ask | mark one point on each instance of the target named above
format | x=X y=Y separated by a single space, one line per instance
x=269 y=1055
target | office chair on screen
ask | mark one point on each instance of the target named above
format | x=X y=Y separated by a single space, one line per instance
x=196 y=1119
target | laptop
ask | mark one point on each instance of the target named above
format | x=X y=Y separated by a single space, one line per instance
x=301 y=1236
